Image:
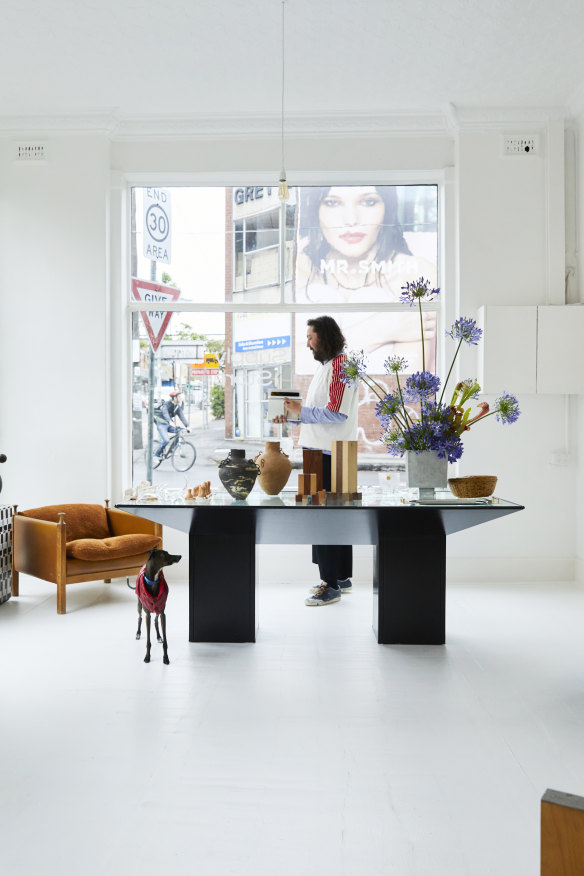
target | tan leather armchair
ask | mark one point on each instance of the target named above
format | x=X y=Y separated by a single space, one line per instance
x=67 y=544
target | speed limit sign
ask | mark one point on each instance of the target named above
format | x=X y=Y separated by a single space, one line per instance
x=157 y=219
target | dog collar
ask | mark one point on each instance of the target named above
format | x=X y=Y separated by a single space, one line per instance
x=148 y=581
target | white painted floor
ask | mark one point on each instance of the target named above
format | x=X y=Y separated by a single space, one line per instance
x=313 y=751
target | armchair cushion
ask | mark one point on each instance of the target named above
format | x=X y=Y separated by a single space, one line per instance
x=83 y=521
x=112 y=547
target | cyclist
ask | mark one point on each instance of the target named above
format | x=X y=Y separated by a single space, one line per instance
x=164 y=416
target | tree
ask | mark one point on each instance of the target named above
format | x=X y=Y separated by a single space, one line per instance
x=216 y=347
x=217 y=401
x=185 y=333
x=167 y=279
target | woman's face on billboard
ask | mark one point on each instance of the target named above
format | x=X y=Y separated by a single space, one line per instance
x=350 y=218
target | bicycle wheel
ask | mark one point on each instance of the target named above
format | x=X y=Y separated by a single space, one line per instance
x=184 y=456
x=156 y=460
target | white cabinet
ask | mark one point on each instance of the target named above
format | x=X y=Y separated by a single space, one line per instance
x=560 y=349
x=534 y=349
x=507 y=350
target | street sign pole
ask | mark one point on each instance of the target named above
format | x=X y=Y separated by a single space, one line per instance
x=155 y=322
x=151 y=378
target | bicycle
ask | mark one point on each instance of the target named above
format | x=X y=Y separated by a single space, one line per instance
x=180 y=451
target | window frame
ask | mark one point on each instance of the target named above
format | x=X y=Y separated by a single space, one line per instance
x=122 y=307
x=252 y=253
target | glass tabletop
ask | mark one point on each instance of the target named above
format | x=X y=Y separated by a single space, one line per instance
x=368 y=497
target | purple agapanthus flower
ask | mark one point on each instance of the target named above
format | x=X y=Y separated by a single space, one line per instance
x=433 y=431
x=396 y=364
x=507 y=408
x=418 y=290
x=439 y=423
x=421 y=385
x=465 y=330
x=386 y=408
x=354 y=369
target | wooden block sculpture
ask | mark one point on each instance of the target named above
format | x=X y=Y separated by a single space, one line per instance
x=312 y=464
x=344 y=471
x=306 y=484
x=562 y=834
x=307 y=493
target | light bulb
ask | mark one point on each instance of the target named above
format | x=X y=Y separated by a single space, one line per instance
x=283 y=192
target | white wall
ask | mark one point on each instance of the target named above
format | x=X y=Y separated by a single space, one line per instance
x=54 y=278
x=509 y=214
x=53 y=392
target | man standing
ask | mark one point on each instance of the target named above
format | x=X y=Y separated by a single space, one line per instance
x=164 y=417
x=329 y=414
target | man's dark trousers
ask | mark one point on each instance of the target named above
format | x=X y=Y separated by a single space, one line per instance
x=335 y=561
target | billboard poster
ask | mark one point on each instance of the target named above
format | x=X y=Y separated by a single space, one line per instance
x=361 y=244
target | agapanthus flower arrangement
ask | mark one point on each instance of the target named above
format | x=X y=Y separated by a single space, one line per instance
x=437 y=425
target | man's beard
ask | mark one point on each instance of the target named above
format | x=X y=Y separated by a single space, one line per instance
x=318 y=356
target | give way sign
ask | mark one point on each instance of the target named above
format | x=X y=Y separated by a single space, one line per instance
x=155 y=320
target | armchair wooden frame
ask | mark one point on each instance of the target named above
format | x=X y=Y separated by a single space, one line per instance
x=39 y=548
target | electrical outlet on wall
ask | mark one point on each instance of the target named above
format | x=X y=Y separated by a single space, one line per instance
x=523 y=144
x=30 y=152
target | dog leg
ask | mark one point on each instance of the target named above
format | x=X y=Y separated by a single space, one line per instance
x=147 y=657
x=158 y=636
x=164 y=642
x=139 y=620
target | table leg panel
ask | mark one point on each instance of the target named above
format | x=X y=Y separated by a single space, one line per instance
x=409 y=588
x=222 y=587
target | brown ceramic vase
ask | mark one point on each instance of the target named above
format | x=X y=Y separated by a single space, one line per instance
x=275 y=468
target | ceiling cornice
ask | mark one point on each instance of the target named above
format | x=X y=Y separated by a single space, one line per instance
x=502 y=118
x=269 y=126
x=207 y=127
x=98 y=122
x=247 y=127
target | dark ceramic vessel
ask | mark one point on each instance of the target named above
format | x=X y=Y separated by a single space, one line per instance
x=238 y=474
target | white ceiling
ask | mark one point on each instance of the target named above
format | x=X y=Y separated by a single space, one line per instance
x=189 y=58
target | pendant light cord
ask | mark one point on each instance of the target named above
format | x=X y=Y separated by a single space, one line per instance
x=283 y=191
x=283 y=76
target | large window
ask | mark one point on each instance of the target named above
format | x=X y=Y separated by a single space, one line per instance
x=243 y=273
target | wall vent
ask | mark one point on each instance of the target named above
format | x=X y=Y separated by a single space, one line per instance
x=31 y=152
x=526 y=144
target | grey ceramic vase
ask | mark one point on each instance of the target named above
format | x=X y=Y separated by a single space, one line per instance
x=427 y=471
x=238 y=474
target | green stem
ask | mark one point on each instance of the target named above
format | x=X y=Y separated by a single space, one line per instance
x=368 y=381
x=401 y=398
x=399 y=423
x=422 y=330
x=380 y=387
x=450 y=372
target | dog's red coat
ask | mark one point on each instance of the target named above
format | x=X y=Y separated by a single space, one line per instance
x=151 y=603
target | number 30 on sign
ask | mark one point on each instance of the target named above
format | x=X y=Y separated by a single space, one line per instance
x=157 y=218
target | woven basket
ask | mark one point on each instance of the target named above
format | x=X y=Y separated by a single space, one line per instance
x=473 y=487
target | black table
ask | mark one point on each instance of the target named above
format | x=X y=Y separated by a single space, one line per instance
x=409 y=583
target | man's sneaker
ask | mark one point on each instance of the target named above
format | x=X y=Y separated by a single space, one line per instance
x=324 y=595
x=346 y=586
